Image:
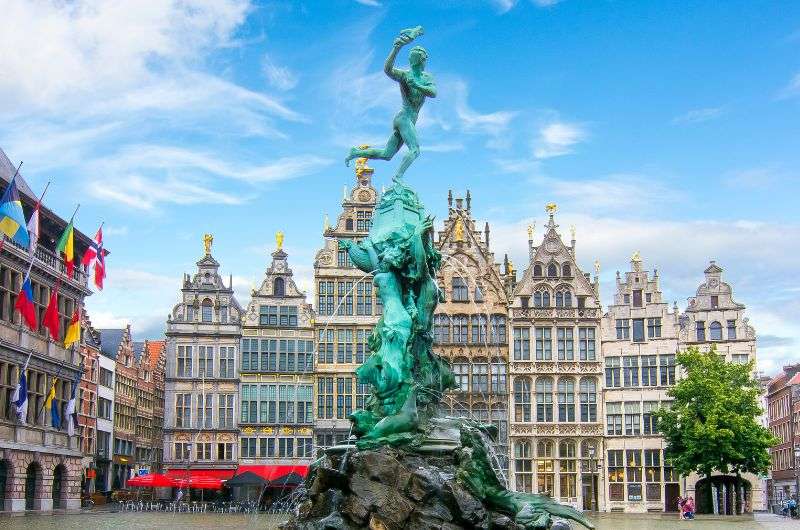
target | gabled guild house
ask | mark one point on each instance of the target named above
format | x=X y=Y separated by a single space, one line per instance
x=40 y=465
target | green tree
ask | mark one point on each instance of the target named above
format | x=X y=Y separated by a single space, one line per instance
x=712 y=424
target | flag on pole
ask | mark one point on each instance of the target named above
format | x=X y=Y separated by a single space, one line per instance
x=55 y=418
x=20 y=397
x=66 y=246
x=73 y=333
x=72 y=415
x=12 y=220
x=25 y=305
x=96 y=254
x=33 y=229
x=51 y=320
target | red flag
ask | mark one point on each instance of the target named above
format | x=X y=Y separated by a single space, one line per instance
x=51 y=320
x=97 y=254
x=25 y=305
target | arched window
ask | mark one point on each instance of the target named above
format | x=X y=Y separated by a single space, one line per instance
x=566 y=399
x=544 y=399
x=568 y=467
x=541 y=298
x=563 y=298
x=33 y=477
x=460 y=290
x=500 y=419
x=588 y=397
x=207 y=310
x=552 y=270
x=522 y=399
x=715 y=331
x=566 y=270
x=537 y=270
x=441 y=329
x=545 y=466
x=523 y=466
x=279 y=287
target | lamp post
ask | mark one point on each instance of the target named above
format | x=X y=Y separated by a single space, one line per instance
x=796 y=474
x=592 y=468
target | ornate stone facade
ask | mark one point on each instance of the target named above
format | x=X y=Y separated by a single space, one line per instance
x=555 y=369
x=202 y=375
x=470 y=325
x=277 y=366
x=347 y=309
x=53 y=458
x=639 y=342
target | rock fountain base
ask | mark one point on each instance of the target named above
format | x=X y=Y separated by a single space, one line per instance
x=391 y=488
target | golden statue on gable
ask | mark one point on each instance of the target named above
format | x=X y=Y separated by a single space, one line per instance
x=279 y=239
x=458 y=231
x=208 y=240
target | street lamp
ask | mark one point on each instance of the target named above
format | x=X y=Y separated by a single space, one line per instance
x=796 y=475
x=592 y=501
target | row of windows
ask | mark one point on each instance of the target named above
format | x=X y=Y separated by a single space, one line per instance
x=625 y=471
x=460 y=291
x=276 y=447
x=206 y=313
x=484 y=378
x=344 y=299
x=185 y=451
x=273 y=355
x=548 y=466
x=623 y=327
x=565 y=344
x=204 y=407
x=10 y=284
x=343 y=345
x=552 y=270
x=714 y=330
x=463 y=329
x=280 y=316
x=632 y=418
x=563 y=394
x=630 y=371
x=271 y=403
x=186 y=364
x=335 y=397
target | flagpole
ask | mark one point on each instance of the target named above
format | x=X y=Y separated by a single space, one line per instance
x=17 y=171
x=41 y=197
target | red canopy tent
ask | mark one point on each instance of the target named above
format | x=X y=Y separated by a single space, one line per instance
x=152 y=480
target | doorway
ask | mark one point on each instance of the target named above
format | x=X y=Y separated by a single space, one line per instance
x=671 y=493
x=32 y=477
x=589 y=492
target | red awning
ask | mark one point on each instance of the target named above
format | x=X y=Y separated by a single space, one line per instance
x=153 y=480
x=183 y=474
x=273 y=473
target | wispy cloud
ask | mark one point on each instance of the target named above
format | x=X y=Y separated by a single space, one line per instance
x=504 y=6
x=699 y=115
x=558 y=138
x=280 y=77
x=136 y=191
x=371 y=3
x=492 y=124
x=545 y=3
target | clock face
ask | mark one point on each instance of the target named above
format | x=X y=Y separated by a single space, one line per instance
x=551 y=245
x=713 y=283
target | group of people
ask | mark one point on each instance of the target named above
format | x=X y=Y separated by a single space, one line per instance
x=686 y=507
x=790 y=507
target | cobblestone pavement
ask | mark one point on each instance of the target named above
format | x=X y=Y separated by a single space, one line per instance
x=103 y=519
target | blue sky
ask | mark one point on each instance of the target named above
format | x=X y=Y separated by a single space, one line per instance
x=671 y=128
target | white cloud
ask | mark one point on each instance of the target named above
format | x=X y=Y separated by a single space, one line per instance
x=504 y=6
x=492 y=124
x=371 y=3
x=280 y=77
x=144 y=193
x=699 y=115
x=557 y=138
x=545 y=3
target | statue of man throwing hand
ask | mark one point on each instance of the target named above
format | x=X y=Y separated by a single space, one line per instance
x=415 y=86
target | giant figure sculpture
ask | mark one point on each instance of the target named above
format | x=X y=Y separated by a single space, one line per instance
x=408 y=379
x=415 y=86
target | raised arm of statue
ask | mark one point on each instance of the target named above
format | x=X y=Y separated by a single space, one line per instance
x=388 y=66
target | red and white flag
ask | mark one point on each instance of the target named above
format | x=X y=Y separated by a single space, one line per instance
x=33 y=229
x=96 y=254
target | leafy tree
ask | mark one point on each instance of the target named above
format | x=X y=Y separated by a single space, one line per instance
x=712 y=424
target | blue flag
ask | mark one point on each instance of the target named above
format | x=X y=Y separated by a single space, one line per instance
x=20 y=398
x=12 y=220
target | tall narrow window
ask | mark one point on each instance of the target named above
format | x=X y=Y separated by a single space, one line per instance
x=522 y=399
x=714 y=302
x=700 y=328
x=523 y=466
x=623 y=328
x=568 y=469
x=544 y=399
x=586 y=336
x=630 y=371
x=566 y=349
x=588 y=397
x=715 y=331
x=654 y=327
x=279 y=287
x=207 y=310
x=544 y=344
x=638 y=330
x=613 y=372
x=637 y=298
x=649 y=367
x=731 y=330
x=566 y=399
x=441 y=329
x=522 y=344
x=460 y=290
x=552 y=270
x=667 y=369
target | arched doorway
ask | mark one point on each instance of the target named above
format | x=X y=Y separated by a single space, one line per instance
x=718 y=495
x=59 y=477
x=33 y=477
x=5 y=468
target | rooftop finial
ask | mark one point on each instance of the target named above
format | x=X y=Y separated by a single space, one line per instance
x=279 y=239
x=531 y=228
x=637 y=257
x=208 y=240
x=551 y=208
x=572 y=231
x=597 y=267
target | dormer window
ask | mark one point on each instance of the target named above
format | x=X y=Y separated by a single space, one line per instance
x=552 y=271
x=537 y=270
x=714 y=302
x=566 y=270
x=637 y=298
x=525 y=301
x=626 y=299
x=207 y=311
x=279 y=287
x=348 y=224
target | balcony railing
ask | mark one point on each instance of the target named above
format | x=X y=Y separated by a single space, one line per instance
x=49 y=260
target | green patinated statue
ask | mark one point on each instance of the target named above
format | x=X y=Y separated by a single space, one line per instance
x=415 y=86
x=408 y=379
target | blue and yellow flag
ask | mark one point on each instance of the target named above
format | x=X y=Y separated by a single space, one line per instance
x=12 y=220
x=55 y=417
